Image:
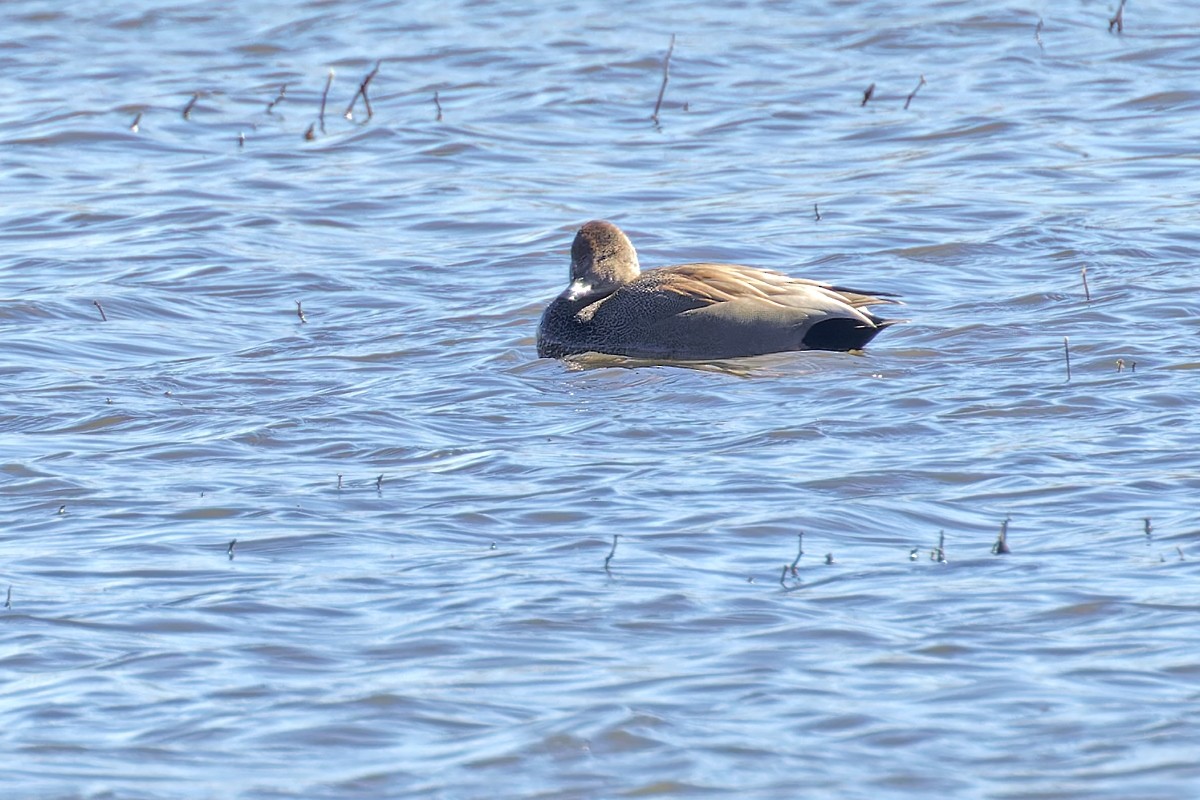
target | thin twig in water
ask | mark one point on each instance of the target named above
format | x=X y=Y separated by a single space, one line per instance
x=1179 y=550
x=339 y=486
x=1037 y=35
x=829 y=558
x=1120 y=365
x=103 y=316
x=939 y=555
x=300 y=312
x=912 y=554
x=187 y=110
x=1001 y=545
x=783 y=577
x=1146 y=526
x=379 y=483
x=362 y=90
x=612 y=552
x=867 y=95
x=8 y=600
x=229 y=552
x=913 y=93
x=324 y=97
x=438 y=103
x=1087 y=295
x=278 y=98
x=1118 y=21
x=662 y=90
x=816 y=212
x=133 y=126
x=799 y=551
x=241 y=139
x=1067 y=354
x=310 y=134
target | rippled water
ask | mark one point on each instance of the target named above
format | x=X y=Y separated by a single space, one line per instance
x=443 y=625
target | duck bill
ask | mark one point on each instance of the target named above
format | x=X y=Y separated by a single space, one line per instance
x=579 y=289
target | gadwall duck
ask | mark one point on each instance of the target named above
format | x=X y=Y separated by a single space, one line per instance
x=695 y=311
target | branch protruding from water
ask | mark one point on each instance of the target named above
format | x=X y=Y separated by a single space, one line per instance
x=612 y=552
x=324 y=98
x=913 y=93
x=1001 y=546
x=278 y=98
x=187 y=110
x=662 y=90
x=1067 y=356
x=1087 y=294
x=799 y=552
x=1118 y=20
x=437 y=102
x=362 y=90
x=867 y=95
x=300 y=312
x=100 y=308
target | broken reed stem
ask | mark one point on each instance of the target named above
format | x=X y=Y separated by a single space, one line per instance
x=1087 y=295
x=783 y=576
x=187 y=110
x=103 y=316
x=362 y=90
x=662 y=90
x=133 y=126
x=438 y=104
x=1146 y=526
x=1067 y=355
x=867 y=95
x=279 y=97
x=913 y=94
x=339 y=486
x=300 y=312
x=379 y=483
x=816 y=212
x=229 y=552
x=1118 y=21
x=324 y=97
x=8 y=600
x=1037 y=35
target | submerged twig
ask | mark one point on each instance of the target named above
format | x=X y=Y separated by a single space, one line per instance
x=612 y=552
x=913 y=93
x=103 y=316
x=662 y=90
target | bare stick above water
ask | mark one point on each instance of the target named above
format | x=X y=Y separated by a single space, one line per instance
x=133 y=126
x=1037 y=35
x=324 y=97
x=1087 y=295
x=612 y=552
x=8 y=600
x=799 y=551
x=438 y=103
x=362 y=90
x=1146 y=526
x=229 y=552
x=662 y=90
x=310 y=134
x=1001 y=546
x=187 y=110
x=379 y=483
x=913 y=93
x=103 y=316
x=278 y=98
x=1067 y=354
x=867 y=95
x=1118 y=21
x=816 y=212
x=339 y=486
x=939 y=554
x=300 y=312
x=783 y=577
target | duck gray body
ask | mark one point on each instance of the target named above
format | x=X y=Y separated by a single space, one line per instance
x=697 y=311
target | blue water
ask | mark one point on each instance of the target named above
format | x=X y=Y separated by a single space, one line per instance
x=417 y=603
